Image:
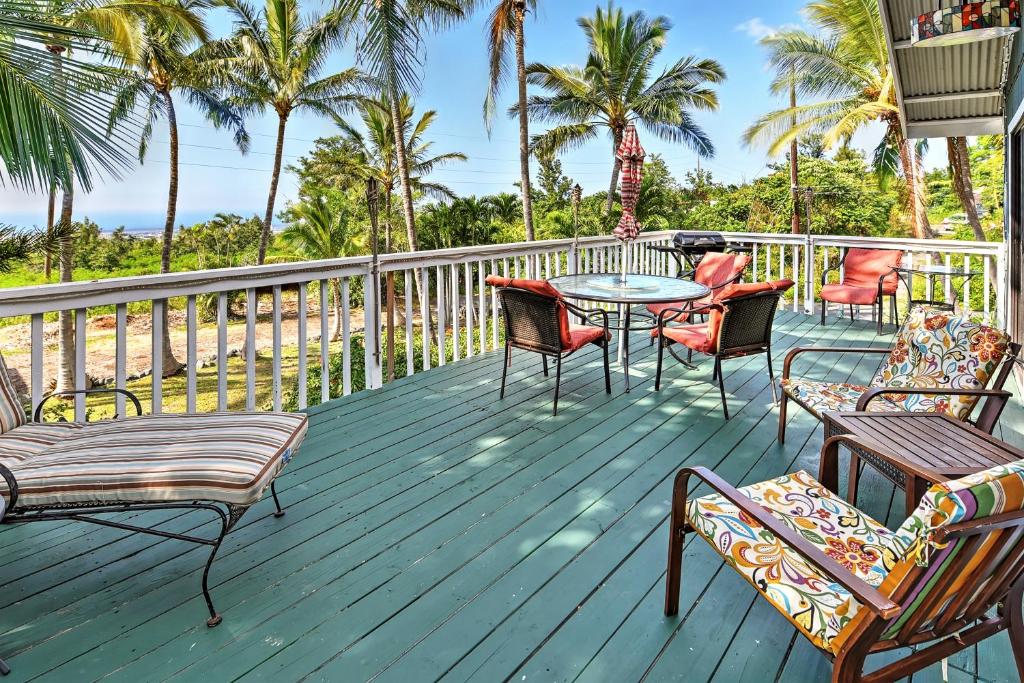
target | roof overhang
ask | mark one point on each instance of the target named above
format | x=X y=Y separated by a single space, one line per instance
x=944 y=91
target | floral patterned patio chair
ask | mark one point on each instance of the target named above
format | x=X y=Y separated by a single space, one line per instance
x=940 y=362
x=853 y=587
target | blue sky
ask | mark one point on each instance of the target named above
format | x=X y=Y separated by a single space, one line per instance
x=216 y=178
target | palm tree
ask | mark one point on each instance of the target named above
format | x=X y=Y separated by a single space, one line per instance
x=321 y=231
x=274 y=59
x=389 y=49
x=960 y=169
x=847 y=70
x=504 y=206
x=164 y=64
x=615 y=88
x=375 y=153
x=506 y=22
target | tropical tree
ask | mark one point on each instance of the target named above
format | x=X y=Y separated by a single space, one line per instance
x=389 y=49
x=615 y=88
x=846 y=71
x=504 y=207
x=504 y=26
x=375 y=153
x=324 y=230
x=168 y=61
x=274 y=59
x=963 y=185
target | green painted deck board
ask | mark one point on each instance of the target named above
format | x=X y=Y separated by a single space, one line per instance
x=435 y=532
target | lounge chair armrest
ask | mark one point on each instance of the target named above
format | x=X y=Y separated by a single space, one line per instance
x=826 y=349
x=872 y=599
x=37 y=416
x=873 y=393
x=12 y=487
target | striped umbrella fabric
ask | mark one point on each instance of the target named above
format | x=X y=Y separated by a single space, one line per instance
x=631 y=154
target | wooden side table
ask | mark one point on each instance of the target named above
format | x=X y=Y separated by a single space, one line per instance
x=912 y=450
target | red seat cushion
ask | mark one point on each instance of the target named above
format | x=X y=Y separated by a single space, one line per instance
x=845 y=294
x=863 y=267
x=581 y=335
x=716 y=269
x=692 y=336
x=656 y=309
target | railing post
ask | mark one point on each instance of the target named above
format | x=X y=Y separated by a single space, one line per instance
x=808 y=274
x=570 y=263
x=371 y=328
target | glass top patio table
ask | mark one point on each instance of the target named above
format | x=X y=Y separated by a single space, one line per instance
x=634 y=289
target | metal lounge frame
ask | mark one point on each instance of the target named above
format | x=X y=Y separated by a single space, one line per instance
x=994 y=398
x=228 y=514
x=995 y=581
x=894 y=315
x=746 y=330
x=532 y=324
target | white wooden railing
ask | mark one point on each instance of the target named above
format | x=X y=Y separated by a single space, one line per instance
x=450 y=309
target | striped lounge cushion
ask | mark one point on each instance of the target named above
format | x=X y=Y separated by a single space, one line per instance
x=12 y=413
x=221 y=457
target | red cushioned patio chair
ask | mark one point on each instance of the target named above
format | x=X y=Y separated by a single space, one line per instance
x=739 y=324
x=868 y=277
x=715 y=271
x=537 y=319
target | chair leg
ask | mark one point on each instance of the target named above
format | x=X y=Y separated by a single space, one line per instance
x=880 y=309
x=504 y=368
x=277 y=501
x=1013 y=603
x=782 y=418
x=823 y=306
x=4 y=669
x=771 y=377
x=607 y=371
x=721 y=386
x=544 y=360
x=714 y=371
x=657 y=373
x=215 y=618
x=851 y=312
x=558 y=380
x=676 y=542
x=689 y=355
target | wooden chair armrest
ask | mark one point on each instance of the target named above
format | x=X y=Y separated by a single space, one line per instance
x=873 y=393
x=872 y=599
x=37 y=416
x=826 y=349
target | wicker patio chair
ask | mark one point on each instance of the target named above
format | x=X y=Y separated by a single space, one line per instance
x=715 y=271
x=537 y=320
x=948 y=578
x=868 y=276
x=739 y=324
x=939 y=362
x=221 y=463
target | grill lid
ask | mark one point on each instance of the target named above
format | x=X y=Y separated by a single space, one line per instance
x=699 y=240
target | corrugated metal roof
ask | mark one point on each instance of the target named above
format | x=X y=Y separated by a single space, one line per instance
x=956 y=71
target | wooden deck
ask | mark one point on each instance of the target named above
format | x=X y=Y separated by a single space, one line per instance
x=434 y=531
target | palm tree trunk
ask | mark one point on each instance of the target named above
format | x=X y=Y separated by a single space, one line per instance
x=616 y=167
x=171 y=365
x=794 y=168
x=922 y=230
x=282 y=120
x=66 y=329
x=405 y=184
x=524 y=132
x=960 y=164
x=51 y=203
x=387 y=221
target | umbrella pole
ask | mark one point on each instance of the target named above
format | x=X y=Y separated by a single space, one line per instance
x=623 y=315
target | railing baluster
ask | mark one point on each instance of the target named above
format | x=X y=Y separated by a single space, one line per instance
x=468 y=268
x=222 y=351
x=277 y=346
x=80 y=355
x=515 y=262
x=303 y=374
x=442 y=349
x=121 y=355
x=947 y=293
x=547 y=264
x=346 y=337
x=410 y=356
x=757 y=275
x=482 y=305
x=193 y=359
x=796 y=279
x=425 y=315
x=371 y=330
x=967 y=285
x=325 y=343
x=455 y=313
x=37 y=359
x=986 y=262
x=157 y=350
x=251 y=310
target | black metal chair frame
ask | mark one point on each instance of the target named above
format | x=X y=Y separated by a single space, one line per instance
x=228 y=514
x=739 y=335
x=531 y=324
x=894 y=316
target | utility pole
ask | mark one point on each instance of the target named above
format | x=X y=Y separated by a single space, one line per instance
x=794 y=170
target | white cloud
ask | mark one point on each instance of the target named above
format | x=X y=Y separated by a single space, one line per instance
x=758 y=30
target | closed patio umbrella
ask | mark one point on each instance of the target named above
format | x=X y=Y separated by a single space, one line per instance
x=631 y=154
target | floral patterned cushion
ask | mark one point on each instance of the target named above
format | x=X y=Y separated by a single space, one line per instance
x=821 y=397
x=816 y=604
x=938 y=349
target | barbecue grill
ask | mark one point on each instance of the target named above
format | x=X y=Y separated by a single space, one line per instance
x=692 y=245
